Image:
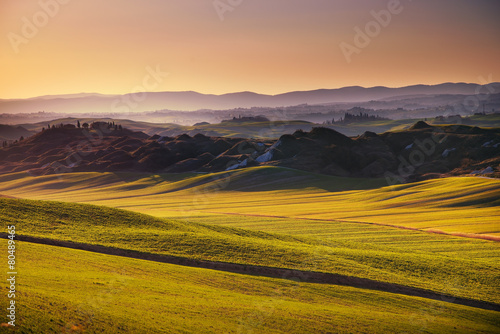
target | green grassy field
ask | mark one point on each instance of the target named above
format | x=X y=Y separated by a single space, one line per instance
x=267 y=216
x=444 y=264
x=71 y=291
x=275 y=129
x=461 y=205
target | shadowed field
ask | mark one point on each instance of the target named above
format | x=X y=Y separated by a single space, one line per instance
x=466 y=206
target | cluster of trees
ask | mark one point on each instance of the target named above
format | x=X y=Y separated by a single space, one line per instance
x=451 y=119
x=6 y=143
x=356 y=117
x=247 y=119
x=454 y=119
x=86 y=126
x=59 y=126
x=105 y=125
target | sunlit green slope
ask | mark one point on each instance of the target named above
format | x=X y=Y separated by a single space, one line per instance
x=460 y=267
x=72 y=291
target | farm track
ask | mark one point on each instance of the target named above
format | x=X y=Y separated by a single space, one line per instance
x=281 y=273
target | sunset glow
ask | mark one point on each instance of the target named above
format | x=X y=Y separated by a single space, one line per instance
x=265 y=46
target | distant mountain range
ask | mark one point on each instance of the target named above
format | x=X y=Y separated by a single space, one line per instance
x=190 y=101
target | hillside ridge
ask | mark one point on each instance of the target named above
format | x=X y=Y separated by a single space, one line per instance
x=421 y=152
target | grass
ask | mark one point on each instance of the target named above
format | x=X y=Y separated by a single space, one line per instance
x=71 y=291
x=444 y=264
x=265 y=216
x=369 y=234
x=461 y=205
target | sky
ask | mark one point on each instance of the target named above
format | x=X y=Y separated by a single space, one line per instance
x=51 y=47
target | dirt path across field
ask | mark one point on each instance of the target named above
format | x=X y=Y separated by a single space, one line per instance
x=282 y=273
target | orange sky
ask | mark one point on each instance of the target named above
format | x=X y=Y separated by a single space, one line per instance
x=265 y=46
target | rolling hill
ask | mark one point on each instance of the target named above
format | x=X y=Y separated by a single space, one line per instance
x=164 y=298
x=261 y=248
x=9 y=132
x=280 y=238
x=420 y=152
x=349 y=262
x=96 y=103
x=462 y=205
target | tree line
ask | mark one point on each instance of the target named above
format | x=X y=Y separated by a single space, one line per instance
x=354 y=118
x=86 y=126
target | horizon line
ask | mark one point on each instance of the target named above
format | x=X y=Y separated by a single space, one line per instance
x=241 y=92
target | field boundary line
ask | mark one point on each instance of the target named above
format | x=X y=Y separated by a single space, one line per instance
x=431 y=230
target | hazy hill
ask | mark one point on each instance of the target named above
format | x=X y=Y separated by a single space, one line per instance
x=8 y=132
x=96 y=103
x=259 y=128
